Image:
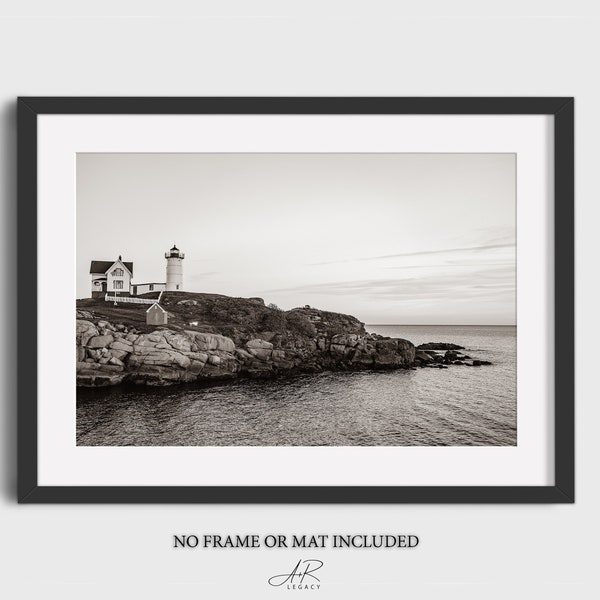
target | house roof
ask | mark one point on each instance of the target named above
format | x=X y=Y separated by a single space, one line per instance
x=101 y=266
x=159 y=306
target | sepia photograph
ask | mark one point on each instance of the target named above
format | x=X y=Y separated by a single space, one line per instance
x=289 y=299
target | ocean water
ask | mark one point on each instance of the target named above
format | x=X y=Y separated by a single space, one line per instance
x=458 y=406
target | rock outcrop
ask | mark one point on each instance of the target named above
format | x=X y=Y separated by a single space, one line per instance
x=211 y=337
x=439 y=346
x=432 y=355
x=303 y=340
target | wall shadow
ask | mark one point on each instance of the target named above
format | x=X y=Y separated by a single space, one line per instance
x=8 y=193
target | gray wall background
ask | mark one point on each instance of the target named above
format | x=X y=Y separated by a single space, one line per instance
x=310 y=48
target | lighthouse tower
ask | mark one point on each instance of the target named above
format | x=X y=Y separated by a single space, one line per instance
x=174 y=269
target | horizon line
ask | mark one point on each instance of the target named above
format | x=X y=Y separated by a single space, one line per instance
x=440 y=325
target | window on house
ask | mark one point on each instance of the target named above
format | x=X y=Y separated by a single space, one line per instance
x=177 y=286
x=117 y=273
x=151 y=287
x=118 y=284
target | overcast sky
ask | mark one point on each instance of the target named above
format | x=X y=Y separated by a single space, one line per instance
x=389 y=238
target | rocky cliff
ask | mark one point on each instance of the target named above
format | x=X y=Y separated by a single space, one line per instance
x=217 y=337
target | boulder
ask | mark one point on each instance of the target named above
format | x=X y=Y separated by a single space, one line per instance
x=363 y=358
x=423 y=357
x=165 y=358
x=156 y=337
x=93 y=379
x=210 y=341
x=120 y=354
x=243 y=355
x=179 y=341
x=263 y=354
x=100 y=341
x=283 y=364
x=201 y=357
x=387 y=359
x=122 y=345
x=196 y=367
x=105 y=326
x=85 y=330
x=226 y=369
x=345 y=339
x=259 y=344
x=155 y=375
x=94 y=353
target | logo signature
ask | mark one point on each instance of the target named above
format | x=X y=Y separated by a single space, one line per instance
x=301 y=577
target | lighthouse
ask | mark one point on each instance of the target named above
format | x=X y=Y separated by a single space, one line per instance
x=174 y=269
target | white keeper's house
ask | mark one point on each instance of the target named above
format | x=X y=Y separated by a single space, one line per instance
x=115 y=277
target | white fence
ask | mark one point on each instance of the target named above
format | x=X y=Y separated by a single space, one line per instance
x=129 y=299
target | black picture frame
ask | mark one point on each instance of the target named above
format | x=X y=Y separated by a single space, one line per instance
x=562 y=110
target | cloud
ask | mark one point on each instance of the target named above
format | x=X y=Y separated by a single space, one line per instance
x=483 y=285
x=453 y=264
x=420 y=253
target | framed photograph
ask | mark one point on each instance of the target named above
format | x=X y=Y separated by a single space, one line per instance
x=296 y=300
